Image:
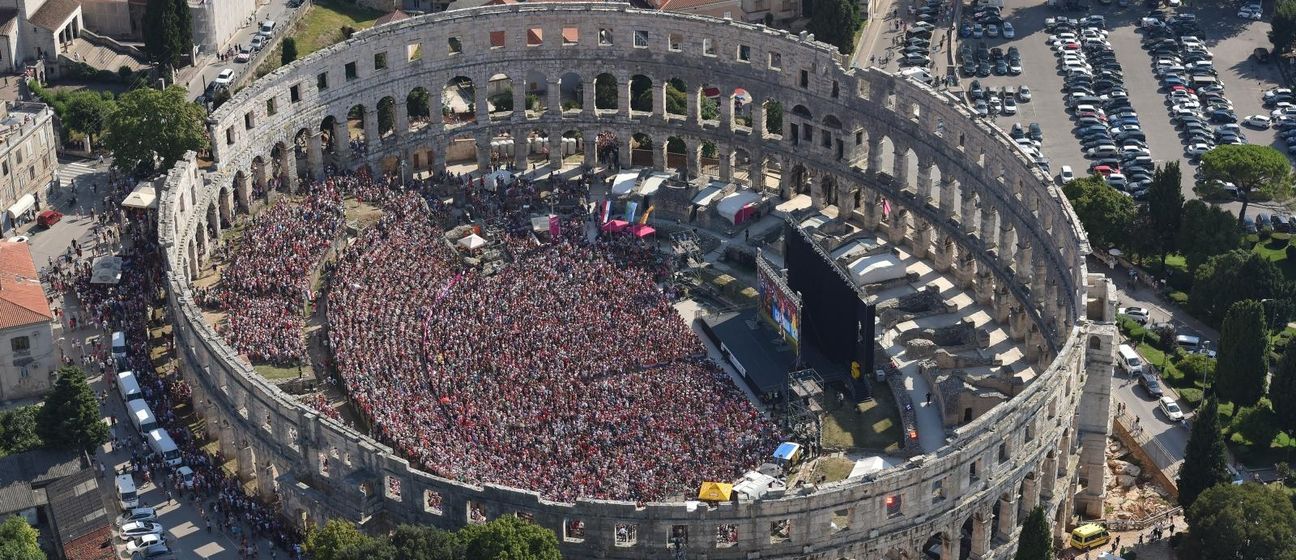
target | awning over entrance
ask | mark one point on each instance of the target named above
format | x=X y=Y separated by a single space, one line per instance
x=24 y=204
x=142 y=197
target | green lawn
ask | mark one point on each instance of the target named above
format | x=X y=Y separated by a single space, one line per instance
x=321 y=27
x=273 y=372
x=871 y=425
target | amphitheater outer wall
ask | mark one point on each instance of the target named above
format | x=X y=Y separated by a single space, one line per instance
x=992 y=219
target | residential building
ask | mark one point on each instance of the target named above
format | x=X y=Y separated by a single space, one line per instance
x=28 y=161
x=213 y=22
x=27 y=355
x=57 y=492
x=37 y=30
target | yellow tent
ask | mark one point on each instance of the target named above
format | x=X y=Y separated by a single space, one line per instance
x=715 y=492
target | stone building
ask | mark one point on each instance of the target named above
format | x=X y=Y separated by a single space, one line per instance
x=37 y=30
x=28 y=160
x=27 y=355
x=214 y=22
x=855 y=141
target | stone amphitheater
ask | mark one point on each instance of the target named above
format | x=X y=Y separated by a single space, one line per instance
x=976 y=209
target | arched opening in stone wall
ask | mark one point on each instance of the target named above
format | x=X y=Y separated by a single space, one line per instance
x=301 y=151
x=537 y=94
x=709 y=159
x=571 y=92
x=770 y=174
x=573 y=147
x=677 y=156
x=328 y=131
x=241 y=191
x=258 y=176
x=641 y=146
x=609 y=147
x=460 y=149
x=226 y=206
x=774 y=117
x=421 y=158
x=897 y=554
x=742 y=164
x=418 y=108
x=386 y=117
x=934 y=547
x=801 y=127
x=709 y=104
x=641 y=95
x=965 y=539
x=676 y=91
x=828 y=190
x=742 y=109
x=458 y=102
x=356 y=129
x=499 y=97
x=799 y=180
x=605 y=93
x=279 y=157
x=830 y=137
x=537 y=146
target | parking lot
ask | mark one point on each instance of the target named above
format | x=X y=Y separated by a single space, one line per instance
x=1230 y=39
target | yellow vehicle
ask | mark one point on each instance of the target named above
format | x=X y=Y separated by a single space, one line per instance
x=1089 y=536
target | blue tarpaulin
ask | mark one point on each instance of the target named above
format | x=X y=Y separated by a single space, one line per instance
x=787 y=451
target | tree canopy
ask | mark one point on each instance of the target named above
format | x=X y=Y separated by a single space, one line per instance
x=18 y=540
x=1282 y=388
x=287 y=50
x=1243 y=362
x=1283 y=32
x=506 y=538
x=1036 y=541
x=1205 y=463
x=153 y=129
x=835 y=22
x=167 y=31
x=70 y=417
x=1231 y=277
x=1253 y=521
x=1252 y=167
x=1206 y=231
x=18 y=430
x=1165 y=202
x=1105 y=213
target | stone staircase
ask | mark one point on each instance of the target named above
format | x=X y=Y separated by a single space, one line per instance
x=100 y=57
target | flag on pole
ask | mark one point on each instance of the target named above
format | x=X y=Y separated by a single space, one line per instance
x=607 y=211
x=647 y=213
x=554 y=228
x=631 y=208
x=886 y=208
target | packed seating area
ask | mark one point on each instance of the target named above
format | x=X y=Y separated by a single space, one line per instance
x=567 y=372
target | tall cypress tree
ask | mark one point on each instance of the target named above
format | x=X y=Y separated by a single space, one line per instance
x=1036 y=541
x=167 y=31
x=70 y=417
x=1243 y=364
x=1165 y=208
x=1205 y=463
x=1282 y=389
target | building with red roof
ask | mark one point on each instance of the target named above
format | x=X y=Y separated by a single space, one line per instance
x=27 y=356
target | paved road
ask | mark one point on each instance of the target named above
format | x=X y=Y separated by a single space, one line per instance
x=276 y=10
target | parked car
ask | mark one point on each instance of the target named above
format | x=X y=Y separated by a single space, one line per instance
x=1171 y=409
x=1258 y=121
x=1151 y=385
x=1137 y=314
x=136 y=529
x=225 y=77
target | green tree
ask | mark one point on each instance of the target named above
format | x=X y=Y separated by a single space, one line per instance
x=417 y=103
x=641 y=87
x=774 y=117
x=387 y=114
x=1205 y=463
x=1253 y=168
x=1105 y=213
x=1243 y=521
x=1283 y=33
x=333 y=540
x=605 y=92
x=1231 y=277
x=1165 y=202
x=87 y=112
x=18 y=540
x=508 y=538
x=369 y=549
x=1206 y=231
x=287 y=51
x=18 y=430
x=835 y=22
x=421 y=542
x=676 y=99
x=1036 y=541
x=167 y=33
x=152 y=129
x=1243 y=354
x=1196 y=367
x=70 y=417
x=1282 y=388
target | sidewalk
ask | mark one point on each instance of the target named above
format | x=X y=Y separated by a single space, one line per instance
x=1142 y=295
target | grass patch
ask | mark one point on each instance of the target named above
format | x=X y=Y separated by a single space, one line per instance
x=1177 y=262
x=273 y=372
x=321 y=27
x=831 y=469
x=873 y=425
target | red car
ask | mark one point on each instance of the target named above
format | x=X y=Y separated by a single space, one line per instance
x=48 y=218
x=1104 y=170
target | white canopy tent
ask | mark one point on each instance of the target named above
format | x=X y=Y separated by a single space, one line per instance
x=624 y=183
x=25 y=203
x=877 y=268
x=143 y=197
x=472 y=242
x=755 y=485
x=106 y=270
x=730 y=206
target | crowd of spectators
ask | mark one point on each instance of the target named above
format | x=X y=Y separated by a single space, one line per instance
x=567 y=371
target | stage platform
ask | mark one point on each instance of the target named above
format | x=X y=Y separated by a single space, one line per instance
x=754 y=348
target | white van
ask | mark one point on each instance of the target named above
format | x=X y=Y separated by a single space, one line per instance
x=141 y=416
x=160 y=442
x=128 y=386
x=126 y=496
x=1129 y=360
x=1188 y=342
x=119 y=345
x=267 y=28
